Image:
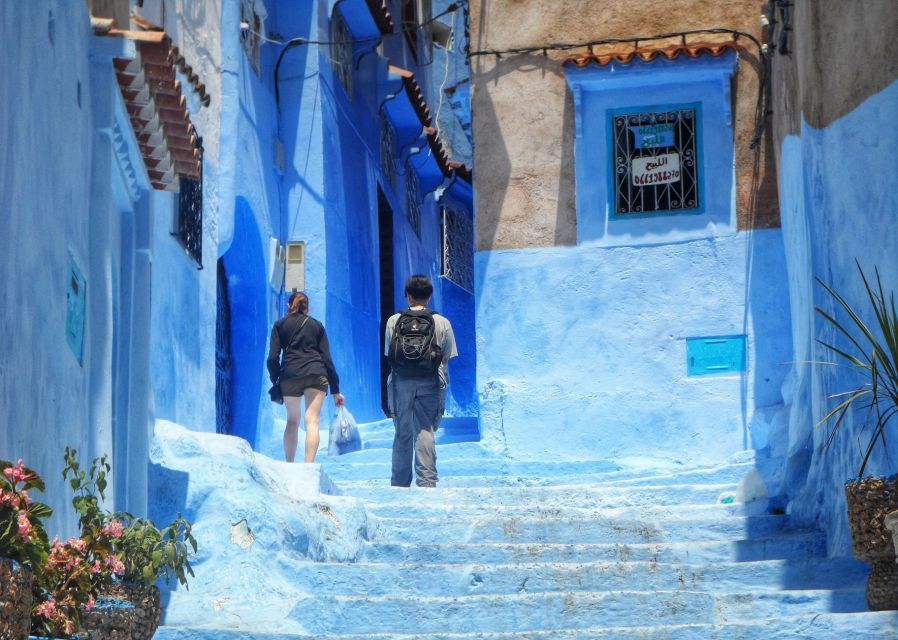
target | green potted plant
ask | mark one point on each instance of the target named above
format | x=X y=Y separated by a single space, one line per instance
x=873 y=352
x=23 y=545
x=150 y=554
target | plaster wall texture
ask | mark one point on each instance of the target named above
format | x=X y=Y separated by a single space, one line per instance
x=524 y=153
x=592 y=363
x=838 y=198
x=833 y=123
x=64 y=199
x=816 y=82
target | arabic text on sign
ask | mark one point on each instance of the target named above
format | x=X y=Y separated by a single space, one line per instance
x=655 y=170
x=653 y=136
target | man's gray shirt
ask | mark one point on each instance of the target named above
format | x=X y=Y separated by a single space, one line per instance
x=443 y=334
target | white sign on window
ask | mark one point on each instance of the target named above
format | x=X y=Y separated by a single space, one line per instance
x=656 y=169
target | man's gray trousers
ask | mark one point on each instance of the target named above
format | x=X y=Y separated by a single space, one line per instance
x=416 y=411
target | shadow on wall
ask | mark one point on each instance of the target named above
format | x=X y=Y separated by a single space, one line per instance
x=247 y=286
x=493 y=186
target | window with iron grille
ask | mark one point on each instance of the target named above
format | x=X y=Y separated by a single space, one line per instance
x=250 y=37
x=458 y=248
x=412 y=199
x=341 y=50
x=387 y=149
x=190 y=214
x=655 y=162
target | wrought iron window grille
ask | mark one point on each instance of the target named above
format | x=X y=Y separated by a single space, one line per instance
x=413 y=200
x=190 y=214
x=341 y=50
x=388 y=150
x=655 y=161
x=458 y=248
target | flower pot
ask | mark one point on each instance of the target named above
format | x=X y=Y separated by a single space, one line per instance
x=15 y=600
x=869 y=501
x=147 y=607
x=109 y=619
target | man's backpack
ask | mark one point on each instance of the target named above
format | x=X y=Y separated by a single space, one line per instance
x=414 y=351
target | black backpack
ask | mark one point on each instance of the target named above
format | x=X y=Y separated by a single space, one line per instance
x=414 y=351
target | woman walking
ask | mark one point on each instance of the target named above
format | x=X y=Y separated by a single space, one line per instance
x=305 y=370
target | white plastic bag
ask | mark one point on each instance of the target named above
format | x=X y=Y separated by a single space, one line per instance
x=344 y=433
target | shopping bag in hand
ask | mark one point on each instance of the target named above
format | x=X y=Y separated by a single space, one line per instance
x=344 y=433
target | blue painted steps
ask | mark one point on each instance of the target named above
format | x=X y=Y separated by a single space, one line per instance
x=566 y=550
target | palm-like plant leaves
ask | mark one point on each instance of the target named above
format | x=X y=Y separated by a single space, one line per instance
x=878 y=360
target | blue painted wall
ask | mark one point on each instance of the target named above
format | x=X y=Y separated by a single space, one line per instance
x=330 y=195
x=837 y=188
x=581 y=351
x=592 y=361
x=68 y=195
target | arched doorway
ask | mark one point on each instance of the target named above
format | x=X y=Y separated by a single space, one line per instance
x=247 y=289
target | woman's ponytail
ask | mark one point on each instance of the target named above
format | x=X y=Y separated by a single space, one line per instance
x=298 y=303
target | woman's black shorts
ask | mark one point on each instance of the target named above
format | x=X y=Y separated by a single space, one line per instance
x=296 y=386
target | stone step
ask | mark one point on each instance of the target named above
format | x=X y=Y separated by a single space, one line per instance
x=438 y=509
x=572 y=495
x=438 y=579
x=491 y=472
x=593 y=529
x=821 y=626
x=548 y=611
x=793 y=546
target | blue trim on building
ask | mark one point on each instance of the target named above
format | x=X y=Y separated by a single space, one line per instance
x=600 y=91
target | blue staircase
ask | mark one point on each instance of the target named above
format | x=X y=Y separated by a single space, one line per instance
x=515 y=550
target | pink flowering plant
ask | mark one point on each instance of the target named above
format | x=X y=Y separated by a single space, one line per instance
x=76 y=570
x=22 y=534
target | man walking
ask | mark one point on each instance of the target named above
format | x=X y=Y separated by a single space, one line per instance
x=418 y=343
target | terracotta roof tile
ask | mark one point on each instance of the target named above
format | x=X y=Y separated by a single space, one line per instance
x=627 y=53
x=380 y=11
x=168 y=140
x=416 y=97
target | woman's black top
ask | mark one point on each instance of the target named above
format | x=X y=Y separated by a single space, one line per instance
x=306 y=351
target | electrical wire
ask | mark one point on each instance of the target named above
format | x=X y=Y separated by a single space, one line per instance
x=295 y=42
x=761 y=107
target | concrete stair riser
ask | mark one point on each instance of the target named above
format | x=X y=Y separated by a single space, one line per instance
x=432 y=579
x=572 y=495
x=487 y=473
x=544 y=611
x=794 y=546
x=547 y=509
x=597 y=529
x=825 y=626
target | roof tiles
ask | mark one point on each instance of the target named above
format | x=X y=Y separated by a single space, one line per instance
x=627 y=53
x=158 y=111
x=380 y=11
